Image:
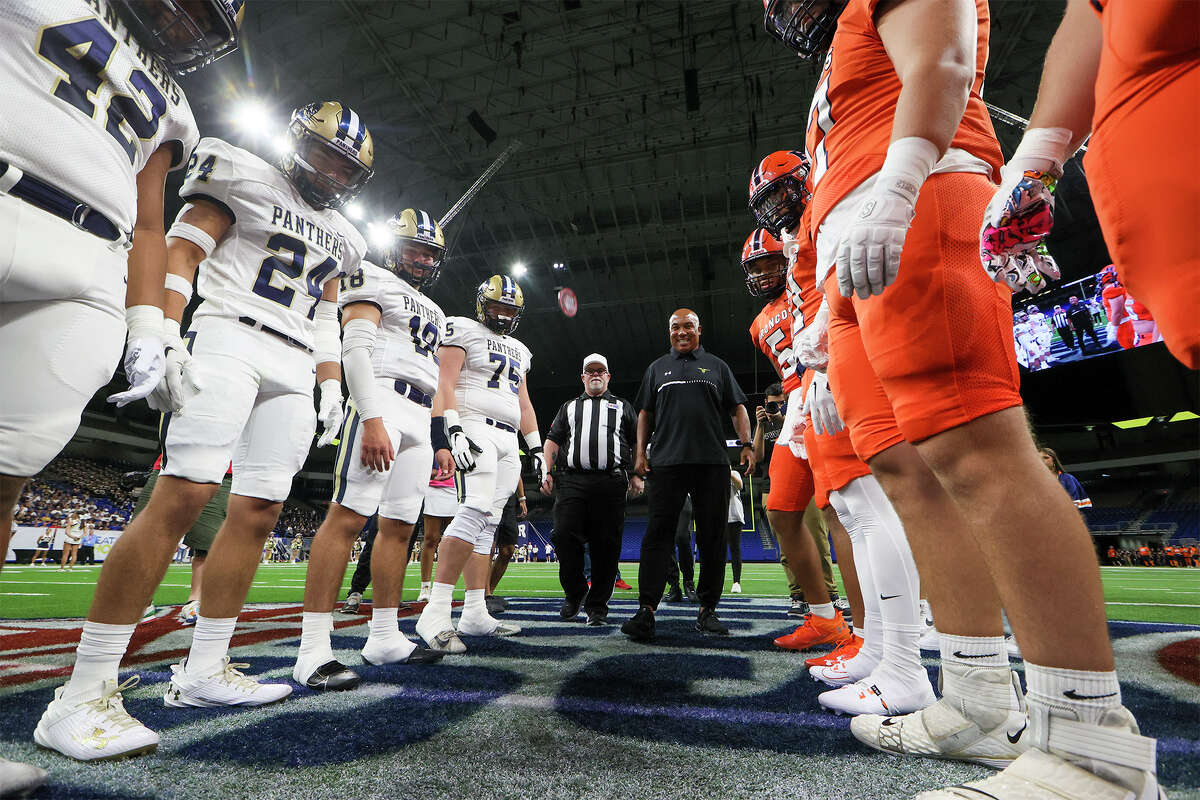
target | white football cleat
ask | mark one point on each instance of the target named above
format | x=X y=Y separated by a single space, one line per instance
x=225 y=687
x=438 y=631
x=446 y=642
x=843 y=672
x=736 y=588
x=486 y=625
x=1042 y=776
x=95 y=729
x=387 y=650
x=943 y=731
x=879 y=698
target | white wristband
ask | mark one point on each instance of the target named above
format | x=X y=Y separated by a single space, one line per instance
x=909 y=162
x=180 y=285
x=533 y=440
x=1042 y=150
x=193 y=234
x=143 y=321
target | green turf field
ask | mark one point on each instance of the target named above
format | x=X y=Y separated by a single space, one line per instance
x=1141 y=594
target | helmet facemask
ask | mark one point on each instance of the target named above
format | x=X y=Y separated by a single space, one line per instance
x=766 y=275
x=805 y=26
x=778 y=205
x=184 y=34
x=419 y=263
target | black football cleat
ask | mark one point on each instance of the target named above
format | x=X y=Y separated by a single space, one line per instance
x=689 y=591
x=333 y=676
x=423 y=655
x=495 y=605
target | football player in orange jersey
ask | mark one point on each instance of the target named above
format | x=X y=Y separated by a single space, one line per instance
x=1114 y=297
x=886 y=675
x=790 y=473
x=903 y=154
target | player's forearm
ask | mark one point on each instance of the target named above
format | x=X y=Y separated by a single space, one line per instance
x=1066 y=94
x=529 y=423
x=760 y=441
x=329 y=371
x=147 y=268
x=183 y=258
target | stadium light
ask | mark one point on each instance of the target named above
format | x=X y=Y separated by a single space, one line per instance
x=379 y=236
x=559 y=266
x=251 y=116
x=282 y=145
x=354 y=211
x=518 y=270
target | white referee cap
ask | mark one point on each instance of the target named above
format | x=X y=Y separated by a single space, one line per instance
x=596 y=358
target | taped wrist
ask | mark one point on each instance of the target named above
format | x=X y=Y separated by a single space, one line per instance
x=533 y=442
x=358 y=341
x=143 y=321
x=327 y=345
x=1042 y=150
x=197 y=236
x=909 y=162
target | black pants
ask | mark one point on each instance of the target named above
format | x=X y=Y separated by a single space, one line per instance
x=682 y=561
x=589 y=510
x=708 y=484
x=362 y=572
x=87 y=554
x=1085 y=327
x=1068 y=337
x=733 y=536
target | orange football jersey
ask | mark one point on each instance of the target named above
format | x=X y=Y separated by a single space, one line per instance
x=850 y=120
x=803 y=297
x=771 y=333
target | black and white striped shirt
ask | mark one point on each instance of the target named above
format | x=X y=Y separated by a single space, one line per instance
x=1060 y=319
x=595 y=433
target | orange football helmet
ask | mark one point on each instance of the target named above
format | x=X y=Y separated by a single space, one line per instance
x=764 y=264
x=777 y=191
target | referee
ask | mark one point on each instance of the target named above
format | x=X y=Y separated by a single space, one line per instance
x=683 y=397
x=590 y=442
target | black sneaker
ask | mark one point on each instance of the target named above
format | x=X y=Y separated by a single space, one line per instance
x=708 y=623
x=597 y=619
x=332 y=676
x=640 y=627
x=798 y=609
x=570 y=609
x=689 y=590
x=673 y=595
x=842 y=606
x=495 y=605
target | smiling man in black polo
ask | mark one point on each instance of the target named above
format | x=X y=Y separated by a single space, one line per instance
x=683 y=400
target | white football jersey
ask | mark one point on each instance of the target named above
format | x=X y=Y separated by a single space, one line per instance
x=410 y=328
x=492 y=374
x=274 y=261
x=86 y=106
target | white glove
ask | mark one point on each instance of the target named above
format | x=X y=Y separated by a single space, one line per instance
x=179 y=382
x=145 y=361
x=819 y=406
x=330 y=413
x=812 y=345
x=462 y=448
x=868 y=254
x=1029 y=271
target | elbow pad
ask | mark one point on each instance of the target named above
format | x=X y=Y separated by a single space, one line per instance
x=327 y=344
x=357 y=345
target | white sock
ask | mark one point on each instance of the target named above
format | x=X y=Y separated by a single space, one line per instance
x=872 y=648
x=974 y=651
x=474 y=603
x=210 y=644
x=98 y=657
x=315 y=643
x=384 y=623
x=822 y=610
x=1074 y=693
x=440 y=594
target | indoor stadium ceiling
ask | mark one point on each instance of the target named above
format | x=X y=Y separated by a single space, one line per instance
x=639 y=121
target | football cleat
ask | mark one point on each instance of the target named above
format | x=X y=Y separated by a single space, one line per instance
x=736 y=588
x=1036 y=775
x=494 y=604
x=398 y=650
x=844 y=672
x=332 y=676
x=353 y=601
x=843 y=652
x=621 y=584
x=225 y=687
x=19 y=780
x=948 y=729
x=869 y=696
x=97 y=729
x=423 y=595
x=816 y=631
x=150 y=613
x=499 y=303
x=189 y=613
x=640 y=627
x=447 y=642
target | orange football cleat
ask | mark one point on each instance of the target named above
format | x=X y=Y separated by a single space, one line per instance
x=846 y=650
x=815 y=631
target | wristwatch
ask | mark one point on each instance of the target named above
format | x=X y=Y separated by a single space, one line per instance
x=747 y=444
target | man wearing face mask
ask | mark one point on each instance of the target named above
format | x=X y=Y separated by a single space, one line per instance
x=682 y=399
x=591 y=441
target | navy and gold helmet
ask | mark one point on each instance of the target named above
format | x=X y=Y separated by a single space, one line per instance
x=184 y=34
x=418 y=247
x=499 y=303
x=331 y=155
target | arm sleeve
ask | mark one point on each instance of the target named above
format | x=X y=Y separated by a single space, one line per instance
x=558 y=429
x=646 y=392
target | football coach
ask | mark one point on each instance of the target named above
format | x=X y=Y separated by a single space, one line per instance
x=683 y=400
x=591 y=443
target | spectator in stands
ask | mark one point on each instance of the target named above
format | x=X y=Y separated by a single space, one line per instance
x=87 y=548
x=1069 y=482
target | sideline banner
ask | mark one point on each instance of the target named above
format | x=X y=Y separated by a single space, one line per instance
x=25 y=538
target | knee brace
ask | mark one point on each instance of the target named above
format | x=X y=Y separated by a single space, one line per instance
x=468 y=524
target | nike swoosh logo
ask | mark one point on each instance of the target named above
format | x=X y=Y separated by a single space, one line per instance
x=889 y=721
x=1071 y=693
x=1014 y=739
x=960 y=654
x=887 y=596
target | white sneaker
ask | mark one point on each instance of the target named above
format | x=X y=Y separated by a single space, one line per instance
x=423 y=596
x=446 y=642
x=736 y=588
x=189 y=613
x=18 y=780
x=877 y=697
x=486 y=625
x=225 y=687
x=96 y=729
x=943 y=730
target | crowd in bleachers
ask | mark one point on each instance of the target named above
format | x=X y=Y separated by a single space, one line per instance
x=297 y=519
x=80 y=486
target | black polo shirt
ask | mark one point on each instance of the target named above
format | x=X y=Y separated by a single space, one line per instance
x=690 y=395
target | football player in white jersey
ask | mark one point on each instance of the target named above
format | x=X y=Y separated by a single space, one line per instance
x=97 y=121
x=391 y=332
x=482 y=402
x=270 y=246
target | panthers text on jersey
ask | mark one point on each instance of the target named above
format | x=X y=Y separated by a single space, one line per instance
x=490 y=382
x=87 y=106
x=410 y=325
x=273 y=263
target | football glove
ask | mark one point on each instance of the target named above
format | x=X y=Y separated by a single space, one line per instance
x=1031 y=271
x=820 y=408
x=330 y=412
x=145 y=361
x=1018 y=217
x=812 y=345
x=462 y=448
x=179 y=382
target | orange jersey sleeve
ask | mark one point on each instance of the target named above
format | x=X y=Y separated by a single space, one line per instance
x=771 y=333
x=803 y=297
x=850 y=119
